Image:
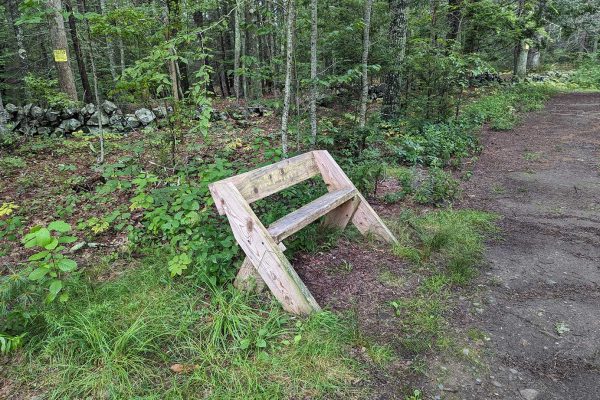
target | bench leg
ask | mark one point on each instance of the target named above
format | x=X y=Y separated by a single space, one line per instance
x=272 y=265
x=248 y=278
x=367 y=222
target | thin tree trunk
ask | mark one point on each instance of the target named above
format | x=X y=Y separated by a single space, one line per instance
x=454 y=18
x=110 y=47
x=314 y=87
x=58 y=38
x=85 y=82
x=287 y=91
x=13 y=16
x=3 y=116
x=398 y=30
x=122 y=54
x=364 y=96
x=237 y=47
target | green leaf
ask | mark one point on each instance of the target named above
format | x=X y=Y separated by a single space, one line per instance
x=67 y=239
x=261 y=343
x=39 y=256
x=63 y=297
x=38 y=273
x=42 y=237
x=55 y=286
x=59 y=226
x=67 y=265
x=52 y=245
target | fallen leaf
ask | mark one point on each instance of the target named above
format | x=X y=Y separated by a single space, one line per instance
x=183 y=368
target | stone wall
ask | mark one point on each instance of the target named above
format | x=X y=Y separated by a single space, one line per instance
x=34 y=120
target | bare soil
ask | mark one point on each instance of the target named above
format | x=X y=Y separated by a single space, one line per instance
x=538 y=298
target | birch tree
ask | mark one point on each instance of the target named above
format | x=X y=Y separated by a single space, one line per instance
x=287 y=90
x=364 y=96
x=237 y=47
x=313 y=70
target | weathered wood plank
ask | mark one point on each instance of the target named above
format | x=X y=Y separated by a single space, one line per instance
x=335 y=179
x=264 y=253
x=303 y=216
x=262 y=182
x=248 y=277
x=367 y=221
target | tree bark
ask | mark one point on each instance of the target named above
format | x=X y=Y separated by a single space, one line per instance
x=3 y=116
x=237 y=47
x=364 y=96
x=287 y=91
x=58 y=38
x=397 y=41
x=314 y=35
x=110 y=47
x=454 y=19
x=521 y=68
x=85 y=82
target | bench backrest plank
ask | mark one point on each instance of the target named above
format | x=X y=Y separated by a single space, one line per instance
x=262 y=182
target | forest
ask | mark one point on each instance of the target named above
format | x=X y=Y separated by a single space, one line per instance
x=468 y=131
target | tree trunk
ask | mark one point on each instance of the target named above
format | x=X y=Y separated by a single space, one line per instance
x=13 y=16
x=110 y=47
x=518 y=50
x=454 y=19
x=364 y=96
x=521 y=68
x=237 y=48
x=534 y=59
x=122 y=54
x=58 y=38
x=85 y=82
x=397 y=42
x=3 y=116
x=313 y=70
x=287 y=91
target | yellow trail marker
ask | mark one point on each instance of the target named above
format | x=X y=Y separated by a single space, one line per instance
x=60 y=55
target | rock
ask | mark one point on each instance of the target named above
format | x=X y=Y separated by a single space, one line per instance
x=160 y=111
x=145 y=116
x=36 y=112
x=70 y=125
x=27 y=108
x=529 y=394
x=59 y=131
x=97 y=118
x=11 y=108
x=109 y=107
x=116 y=122
x=44 y=130
x=89 y=109
x=497 y=384
x=52 y=116
x=131 y=121
x=68 y=113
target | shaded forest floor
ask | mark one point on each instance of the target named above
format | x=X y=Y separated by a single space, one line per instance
x=529 y=326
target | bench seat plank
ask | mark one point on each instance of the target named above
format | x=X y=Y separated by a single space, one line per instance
x=292 y=223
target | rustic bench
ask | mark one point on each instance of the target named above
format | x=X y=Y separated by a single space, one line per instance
x=265 y=262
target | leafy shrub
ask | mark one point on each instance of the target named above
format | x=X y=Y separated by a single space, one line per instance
x=587 y=75
x=10 y=343
x=47 y=91
x=181 y=215
x=439 y=187
x=12 y=164
x=50 y=264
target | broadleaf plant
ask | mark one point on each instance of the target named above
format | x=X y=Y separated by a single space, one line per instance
x=49 y=265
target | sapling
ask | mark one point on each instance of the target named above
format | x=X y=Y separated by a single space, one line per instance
x=50 y=264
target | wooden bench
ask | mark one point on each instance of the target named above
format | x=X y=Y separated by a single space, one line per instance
x=265 y=263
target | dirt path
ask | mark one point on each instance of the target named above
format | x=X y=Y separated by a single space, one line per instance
x=544 y=277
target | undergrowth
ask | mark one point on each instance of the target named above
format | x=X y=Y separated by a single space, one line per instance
x=447 y=247
x=144 y=336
